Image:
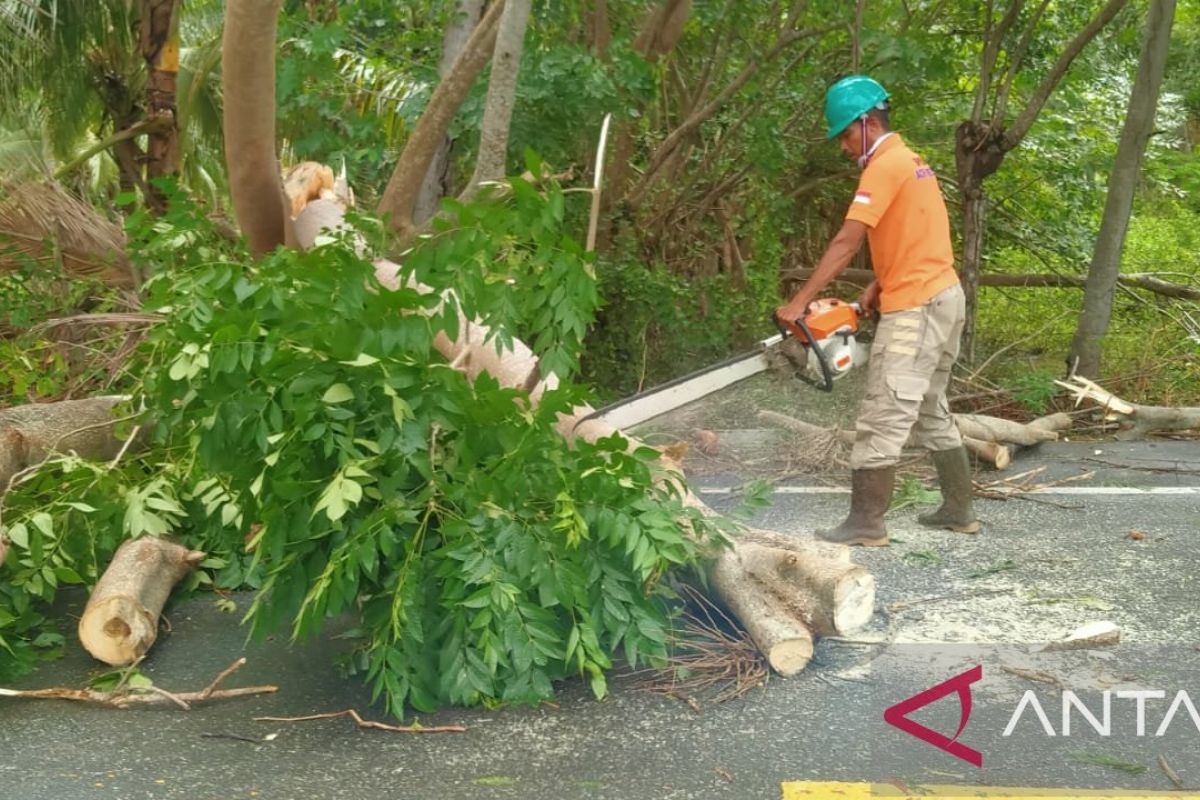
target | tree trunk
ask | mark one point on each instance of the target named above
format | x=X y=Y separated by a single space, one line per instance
x=160 y=47
x=599 y=31
x=658 y=35
x=248 y=86
x=502 y=92
x=994 y=453
x=1118 y=205
x=972 y=258
x=29 y=434
x=978 y=151
x=120 y=621
x=980 y=146
x=435 y=186
x=401 y=194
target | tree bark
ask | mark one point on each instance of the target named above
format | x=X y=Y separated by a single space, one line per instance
x=159 y=40
x=248 y=86
x=658 y=35
x=435 y=186
x=599 y=31
x=401 y=194
x=120 y=621
x=502 y=92
x=1118 y=205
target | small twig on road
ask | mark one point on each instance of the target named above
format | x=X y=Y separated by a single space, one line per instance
x=1161 y=470
x=235 y=737
x=366 y=723
x=142 y=695
x=904 y=605
x=1172 y=776
x=1040 y=676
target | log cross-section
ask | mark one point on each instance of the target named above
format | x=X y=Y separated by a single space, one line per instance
x=120 y=622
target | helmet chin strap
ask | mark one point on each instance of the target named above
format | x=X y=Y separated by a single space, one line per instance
x=864 y=157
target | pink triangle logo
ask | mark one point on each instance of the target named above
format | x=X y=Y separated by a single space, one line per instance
x=897 y=715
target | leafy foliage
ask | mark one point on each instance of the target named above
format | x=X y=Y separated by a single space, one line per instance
x=343 y=466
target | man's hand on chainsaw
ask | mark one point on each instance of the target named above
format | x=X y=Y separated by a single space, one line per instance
x=796 y=308
x=868 y=301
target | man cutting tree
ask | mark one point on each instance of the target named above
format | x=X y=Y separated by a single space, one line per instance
x=898 y=207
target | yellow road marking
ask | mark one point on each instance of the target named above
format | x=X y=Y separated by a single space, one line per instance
x=840 y=790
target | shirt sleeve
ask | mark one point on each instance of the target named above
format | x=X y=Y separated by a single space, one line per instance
x=877 y=188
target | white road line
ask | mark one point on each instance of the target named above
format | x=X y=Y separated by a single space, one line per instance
x=1079 y=490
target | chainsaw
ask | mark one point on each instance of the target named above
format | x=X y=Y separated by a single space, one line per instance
x=828 y=346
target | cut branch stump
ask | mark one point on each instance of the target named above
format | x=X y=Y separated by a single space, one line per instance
x=31 y=433
x=120 y=621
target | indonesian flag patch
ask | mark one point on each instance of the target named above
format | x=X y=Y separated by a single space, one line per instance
x=863 y=197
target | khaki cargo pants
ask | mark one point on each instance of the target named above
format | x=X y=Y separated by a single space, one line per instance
x=907 y=376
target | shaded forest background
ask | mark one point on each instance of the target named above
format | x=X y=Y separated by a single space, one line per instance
x=720 y=186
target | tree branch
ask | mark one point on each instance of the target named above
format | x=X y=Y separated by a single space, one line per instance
x=1014 y=64
x=1014 y=135
x=400 y=197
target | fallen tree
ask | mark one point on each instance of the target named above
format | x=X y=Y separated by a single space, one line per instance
x=785 y=592
x=1134 y=421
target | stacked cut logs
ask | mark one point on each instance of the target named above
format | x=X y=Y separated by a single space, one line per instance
x=990 y=439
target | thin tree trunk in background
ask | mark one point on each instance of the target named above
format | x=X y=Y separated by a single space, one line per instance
x=502 y=92
x=659 y=34
x=1122 y=183
x=980 y=146
x=405 y=183
x=248 y=88
x=599 y=30
x=436 y=183
x=973 y=227
x=159 y=42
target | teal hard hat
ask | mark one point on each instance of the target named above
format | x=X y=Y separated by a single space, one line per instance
x=849 y=99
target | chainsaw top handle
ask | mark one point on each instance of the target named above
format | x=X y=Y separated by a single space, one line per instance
x=829 y=315
x=799 y=329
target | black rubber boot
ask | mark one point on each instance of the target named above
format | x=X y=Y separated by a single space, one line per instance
x=954 y=474
x=870 y=494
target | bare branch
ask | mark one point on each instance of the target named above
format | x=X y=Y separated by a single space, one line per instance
x=994 y=41
x=1014 y=64
x=1014 y=135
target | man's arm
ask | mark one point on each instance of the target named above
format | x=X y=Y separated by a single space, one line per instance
x=837 y=255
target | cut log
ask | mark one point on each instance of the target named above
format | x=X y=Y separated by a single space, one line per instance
x=783 y=638
x=29 y=434
x=120 y=621
x=775 y=610
x=993 y=453
x=1135 y=421
x=994 y=429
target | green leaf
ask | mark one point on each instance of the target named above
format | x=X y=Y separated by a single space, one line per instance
x=19 y=535
x=338 y=393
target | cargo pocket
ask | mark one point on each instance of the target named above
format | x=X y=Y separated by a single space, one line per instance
x=910 y=388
